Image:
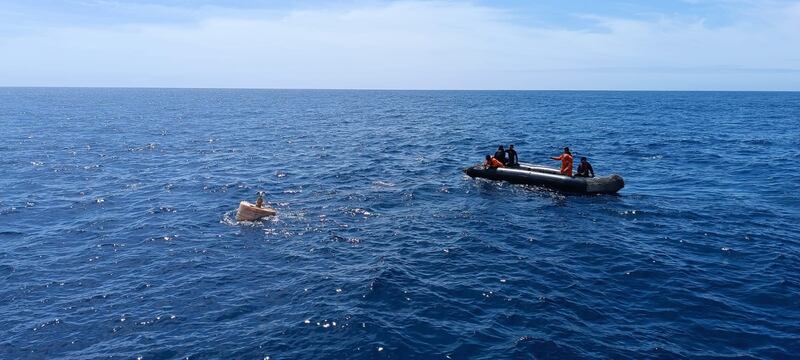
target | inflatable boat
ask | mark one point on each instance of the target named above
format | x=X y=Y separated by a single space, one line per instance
x=548 y=177
x=250 y=212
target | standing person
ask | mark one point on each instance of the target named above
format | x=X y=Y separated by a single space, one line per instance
x=584 y=168
x=566 y=162
x=492 y=162
x=513 y=160
x=501 y=155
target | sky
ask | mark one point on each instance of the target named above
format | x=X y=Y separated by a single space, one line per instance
x=373 y=44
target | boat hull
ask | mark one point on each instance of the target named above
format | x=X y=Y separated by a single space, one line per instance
x=550 y=178
x=249 y=212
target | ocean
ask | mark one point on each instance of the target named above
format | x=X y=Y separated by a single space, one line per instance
x=118 y=236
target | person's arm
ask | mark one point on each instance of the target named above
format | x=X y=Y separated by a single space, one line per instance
x=591 y=170
x=557 y=157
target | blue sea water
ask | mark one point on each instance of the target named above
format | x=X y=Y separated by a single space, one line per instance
x=118 y=237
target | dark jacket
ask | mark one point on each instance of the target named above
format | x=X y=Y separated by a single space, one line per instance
x=584 y=169
x=501 y=155
x=512 y=157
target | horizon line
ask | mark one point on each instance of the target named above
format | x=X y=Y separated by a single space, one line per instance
x=377 y=89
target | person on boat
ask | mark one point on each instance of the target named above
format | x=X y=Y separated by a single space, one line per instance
x=513 y=160
x=492 y=162
x=566 y=162
x=260 y=199
x=500 y=155
x=584 y=168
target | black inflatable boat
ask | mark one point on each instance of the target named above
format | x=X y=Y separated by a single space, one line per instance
x=548 y=177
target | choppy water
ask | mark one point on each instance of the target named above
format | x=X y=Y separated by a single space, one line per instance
x=117 y=236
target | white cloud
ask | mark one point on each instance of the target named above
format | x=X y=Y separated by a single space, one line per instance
x=419 y=45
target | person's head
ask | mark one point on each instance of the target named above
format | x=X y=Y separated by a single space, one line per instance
x=488 y=157
x=583 y=159
x=566 y=150
x=511 y=146
x=500 y=147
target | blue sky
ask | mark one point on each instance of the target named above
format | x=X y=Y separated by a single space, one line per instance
x=512 y=44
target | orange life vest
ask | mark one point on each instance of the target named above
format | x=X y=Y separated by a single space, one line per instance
x=566 y=164
x=494 y=163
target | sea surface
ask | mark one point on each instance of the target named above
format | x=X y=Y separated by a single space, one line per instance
x=118 y=236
